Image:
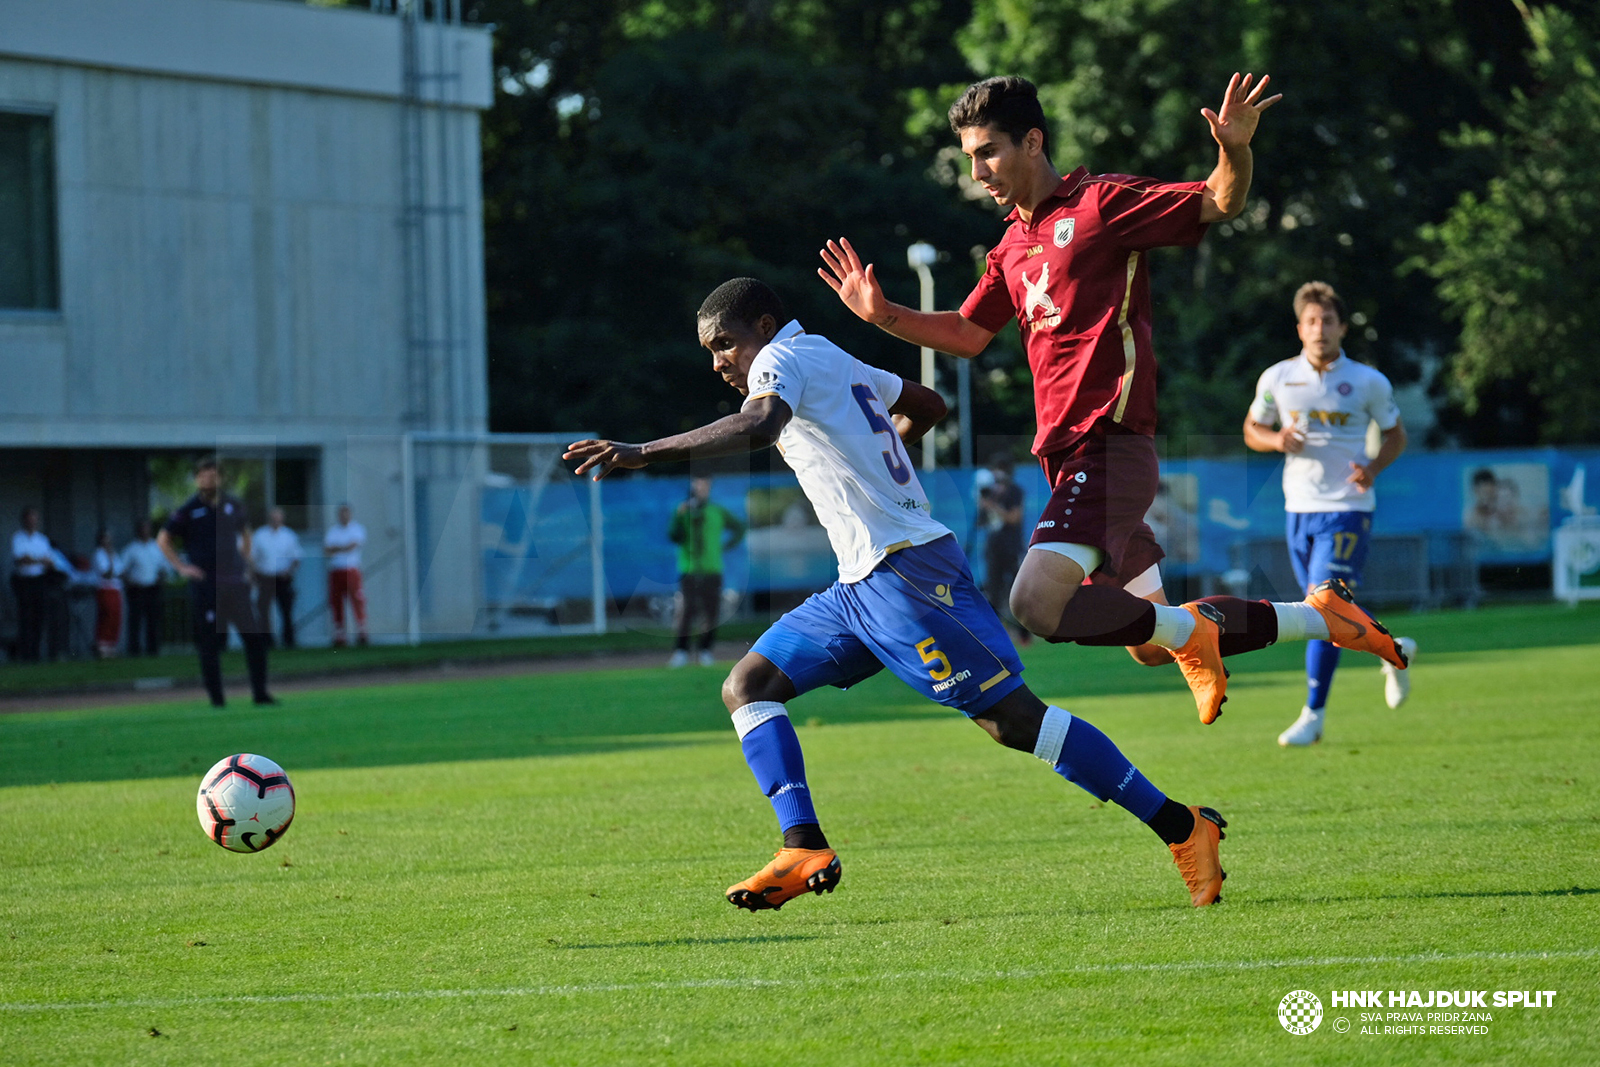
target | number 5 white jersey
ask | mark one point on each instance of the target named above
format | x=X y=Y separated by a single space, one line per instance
x=850 y=461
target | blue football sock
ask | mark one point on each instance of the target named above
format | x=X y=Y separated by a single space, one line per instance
x=1086 y=757
x=1321 y=659
x=773 y=752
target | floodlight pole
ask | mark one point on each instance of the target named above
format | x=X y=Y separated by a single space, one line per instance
x=920 y=256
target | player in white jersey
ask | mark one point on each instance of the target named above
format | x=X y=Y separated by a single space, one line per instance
x=1322 y=402
x=905 y=598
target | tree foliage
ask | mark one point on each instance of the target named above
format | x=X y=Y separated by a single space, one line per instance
x=648 y=153
x=641 y=152
x=1516 y=263
x=1348 y=166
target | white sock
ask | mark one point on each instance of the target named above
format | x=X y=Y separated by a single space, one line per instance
x=1052 y=734
x=1174 y=627
x=750 y=716
x=1300 y=622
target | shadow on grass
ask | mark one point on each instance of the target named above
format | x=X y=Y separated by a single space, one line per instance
x=394 y=725
x=1447 y=894
x=600 y=711
x=696 y=942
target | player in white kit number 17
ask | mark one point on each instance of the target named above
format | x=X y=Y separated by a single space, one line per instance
x=905 y=598
x=1322 y=402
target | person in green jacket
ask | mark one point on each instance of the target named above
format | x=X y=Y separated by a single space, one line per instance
x=703 y=531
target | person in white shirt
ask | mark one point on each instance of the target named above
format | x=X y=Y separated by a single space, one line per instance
x=274 y=557
x=144 y=570
x=1322 y=402
x=107 y=567
x=30 y=563
x=343 y=545
x=905 y=598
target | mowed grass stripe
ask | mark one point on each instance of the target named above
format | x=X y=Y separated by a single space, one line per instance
x=830 y=980
x=452 y=896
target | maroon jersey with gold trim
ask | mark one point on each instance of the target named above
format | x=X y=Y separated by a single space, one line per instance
x=1076 y=281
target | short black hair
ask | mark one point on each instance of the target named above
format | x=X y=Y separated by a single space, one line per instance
x=1482 y=475
x=1009 y=104
x=205 y=463
x=742 y=300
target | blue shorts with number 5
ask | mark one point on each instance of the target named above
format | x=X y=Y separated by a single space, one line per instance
x=1328 y=544
x=919 y=614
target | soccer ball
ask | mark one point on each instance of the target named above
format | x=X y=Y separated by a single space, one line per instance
x=245 y=803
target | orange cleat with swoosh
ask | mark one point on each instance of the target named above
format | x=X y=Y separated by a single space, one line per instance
x=1200 y=660
x=1351 y=627
x=793 y=871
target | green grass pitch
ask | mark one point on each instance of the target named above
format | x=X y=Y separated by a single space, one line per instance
x=529 y=870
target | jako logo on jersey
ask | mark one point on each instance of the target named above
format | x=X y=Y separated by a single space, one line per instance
x=1039 y=299
x=1048 y=524
x=1064 y=229
x=767 y=380
x=1035 y=250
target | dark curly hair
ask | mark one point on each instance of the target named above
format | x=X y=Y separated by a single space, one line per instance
x=742 y=300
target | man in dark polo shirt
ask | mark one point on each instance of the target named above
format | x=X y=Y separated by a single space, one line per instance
x=1072 y=272
x=216 y=538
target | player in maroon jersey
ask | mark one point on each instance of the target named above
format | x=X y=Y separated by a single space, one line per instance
x=1071 y=270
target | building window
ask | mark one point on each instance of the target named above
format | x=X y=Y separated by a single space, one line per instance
x=27 y=213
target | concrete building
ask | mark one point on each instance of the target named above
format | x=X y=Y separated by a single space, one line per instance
x=244 y=226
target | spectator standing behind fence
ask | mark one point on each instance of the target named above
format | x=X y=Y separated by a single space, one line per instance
x=30 y=565
x=274 y=557
x=1000 y=503
x=703 y=531
x=107 y=566
x=216 y=538
x=343 y=545
x=144 y=568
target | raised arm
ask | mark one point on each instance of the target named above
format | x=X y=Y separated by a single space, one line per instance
x=1233 y=127
x=918 y=410
x=857 y=285
x=750 y=429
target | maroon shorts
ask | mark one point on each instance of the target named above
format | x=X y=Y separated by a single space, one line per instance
x=1100 y=490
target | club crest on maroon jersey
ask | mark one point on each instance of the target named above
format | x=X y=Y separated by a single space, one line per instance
x=1064 y=229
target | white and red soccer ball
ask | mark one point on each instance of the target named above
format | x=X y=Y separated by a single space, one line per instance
x=245 y=803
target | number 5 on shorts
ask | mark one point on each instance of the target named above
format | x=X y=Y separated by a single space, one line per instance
x=930 y=654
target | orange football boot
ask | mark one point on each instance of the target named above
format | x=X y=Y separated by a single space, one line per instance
x=1200 y=660
x=792 y=871
x=1197 y=857
x=1351 y=627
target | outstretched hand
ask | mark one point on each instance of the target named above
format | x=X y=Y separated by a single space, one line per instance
x=605 y=455
x=1360 y=476
x=1241 y=111
x=856 y=284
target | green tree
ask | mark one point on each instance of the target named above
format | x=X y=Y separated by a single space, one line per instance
x=1348 y=166
x=641 y=154
x=1516 y=262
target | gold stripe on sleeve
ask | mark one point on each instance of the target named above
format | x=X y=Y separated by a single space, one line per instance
x=1130 y=357
x=996 y=680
